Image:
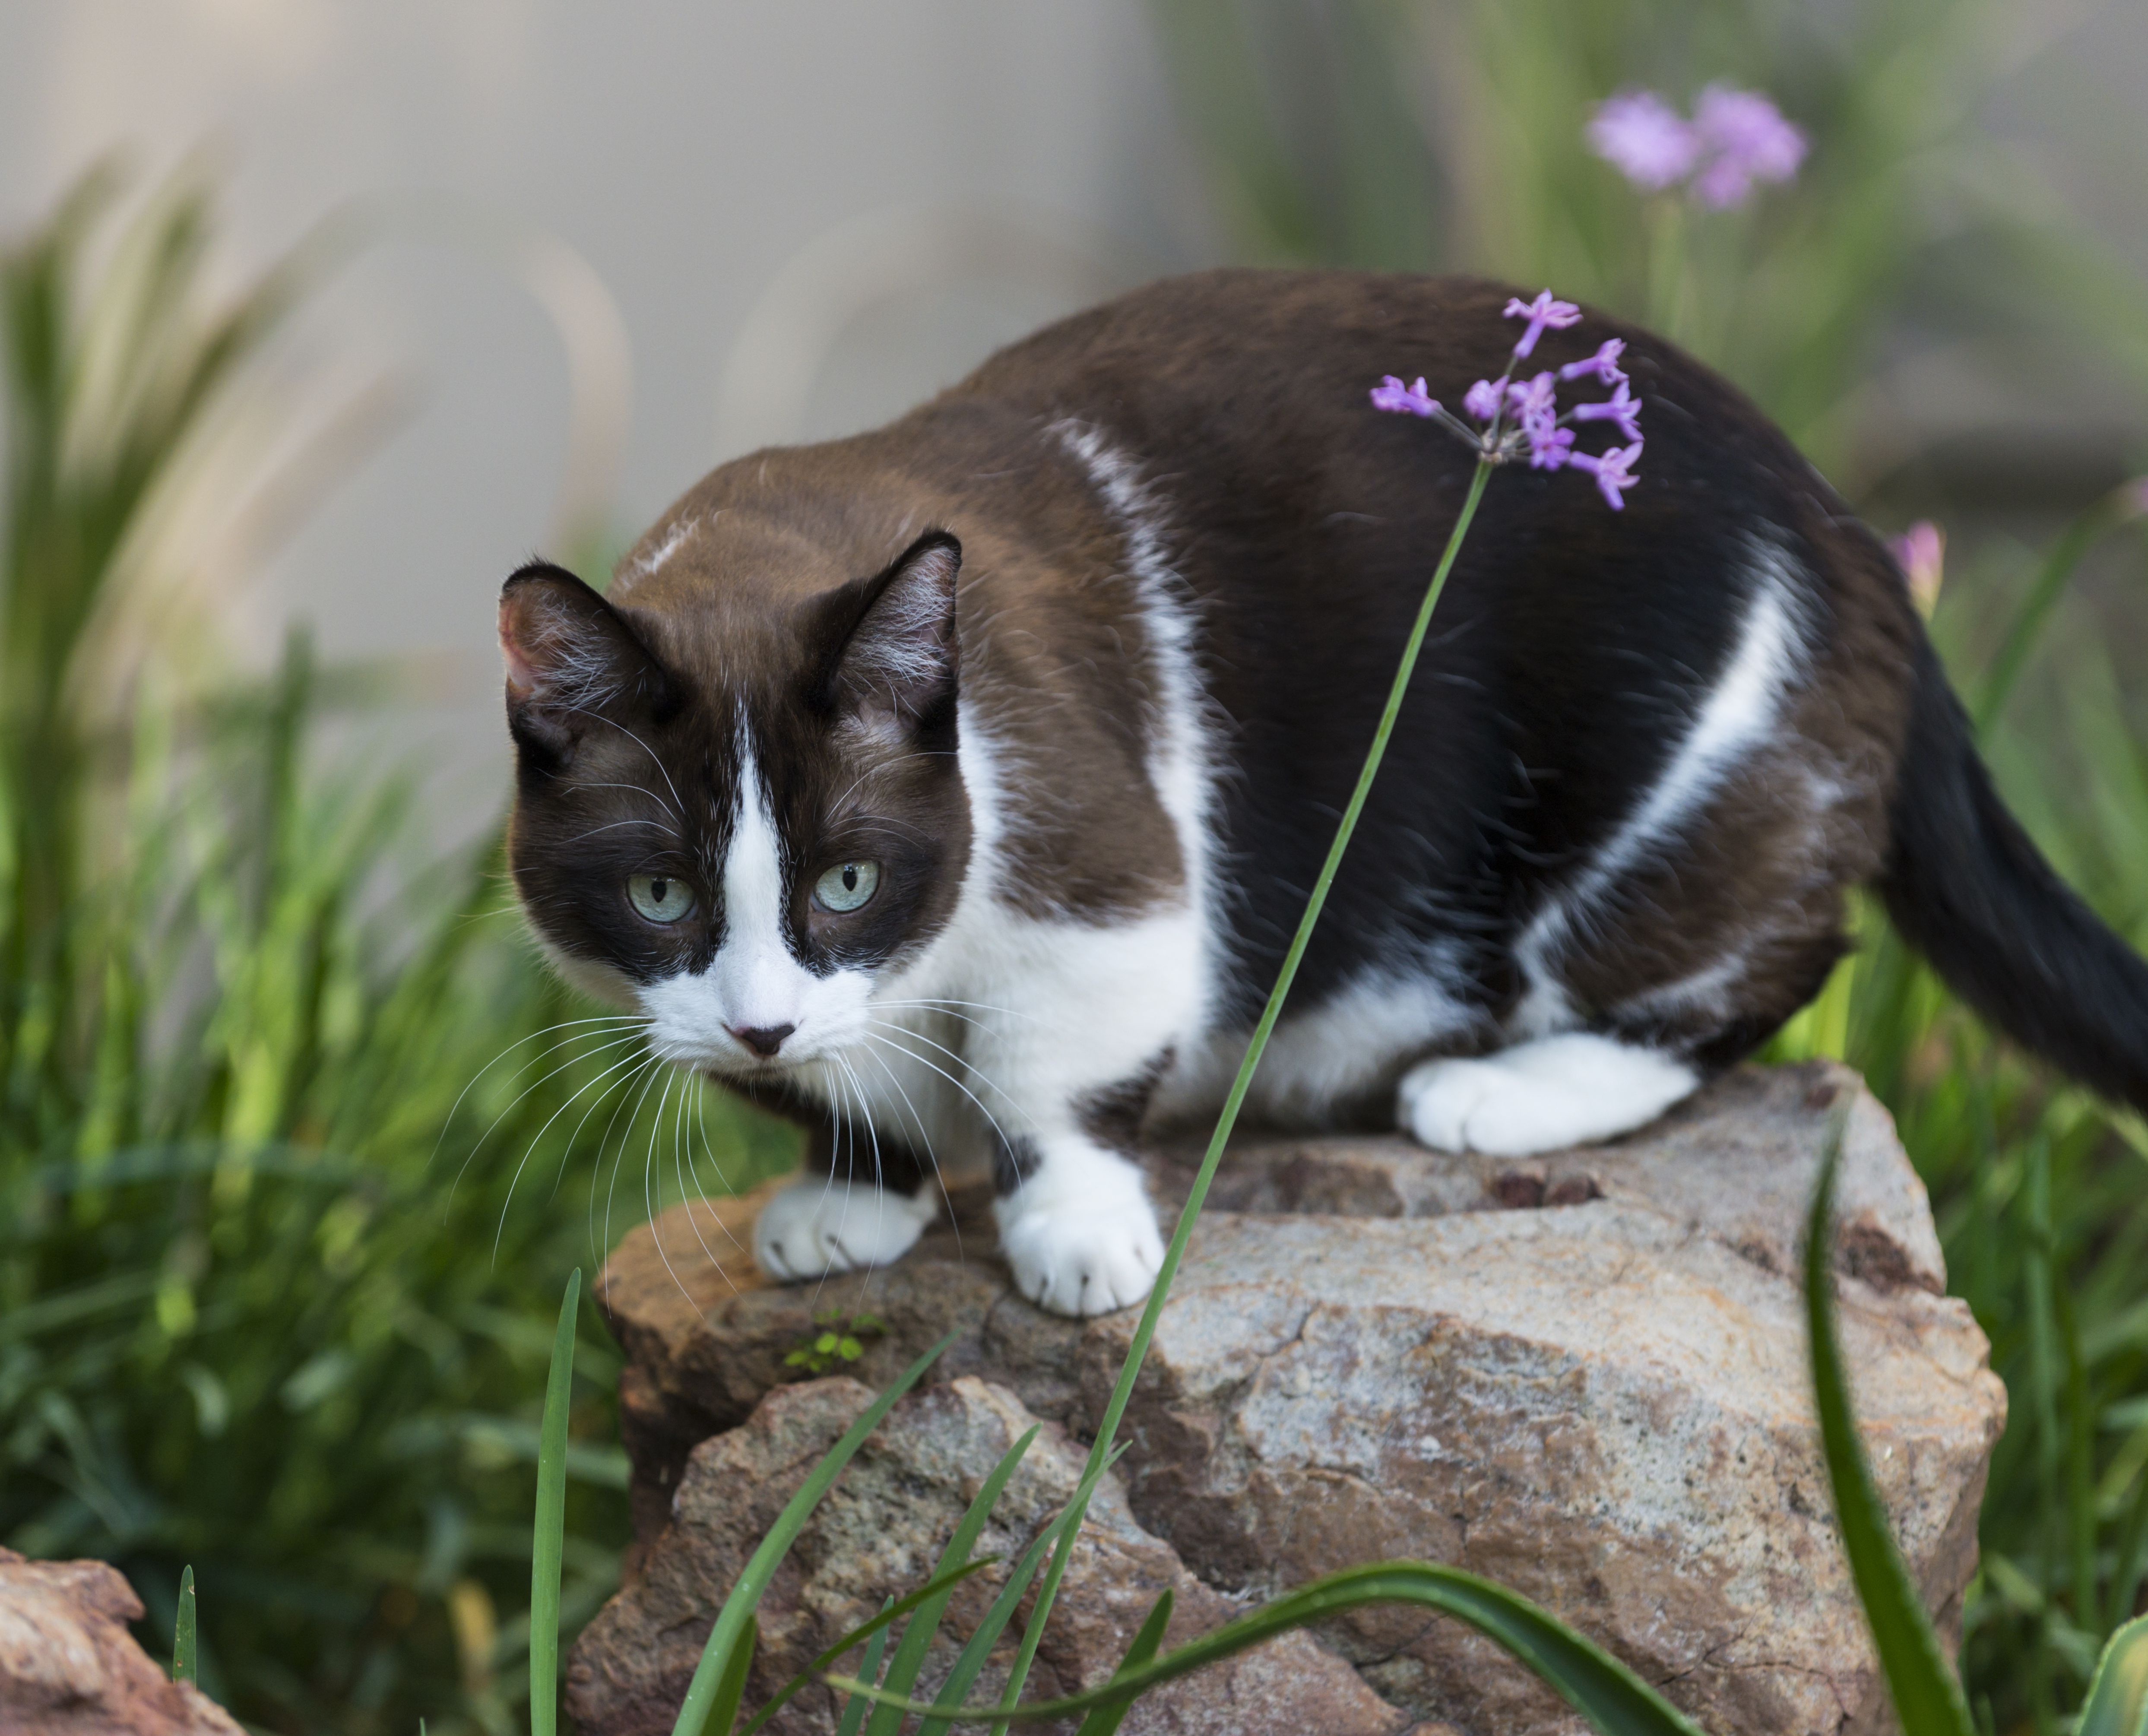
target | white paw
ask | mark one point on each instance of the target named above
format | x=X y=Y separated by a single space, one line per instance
x=1539 y=1096
x=815 y=1227
x=1075 y=1259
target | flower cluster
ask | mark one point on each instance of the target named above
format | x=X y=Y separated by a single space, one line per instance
x=1734 y=138
x=1519 y=418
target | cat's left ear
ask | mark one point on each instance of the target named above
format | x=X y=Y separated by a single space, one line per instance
x=891 y=656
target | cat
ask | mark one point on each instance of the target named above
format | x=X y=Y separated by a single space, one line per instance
x=956 y=788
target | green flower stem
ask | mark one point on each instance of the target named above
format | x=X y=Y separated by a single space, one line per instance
x=1108 y=1427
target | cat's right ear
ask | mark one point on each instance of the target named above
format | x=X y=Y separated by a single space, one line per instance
x=569 y=660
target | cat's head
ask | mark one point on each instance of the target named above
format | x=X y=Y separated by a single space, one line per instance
x=738 y=803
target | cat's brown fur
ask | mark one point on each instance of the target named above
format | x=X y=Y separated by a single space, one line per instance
x=1643 y=755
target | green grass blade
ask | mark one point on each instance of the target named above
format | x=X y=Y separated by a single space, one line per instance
x=2080 y=1482
x=891 y=1612
x=2118 y=1697
x=1174 y=1252
x=971 y=1662
x=2034 y=614
x=548 y=1542
x=2129 y=1563
x=855 y=1707
x=186 y=1646
x=745 y=1596
x=730 y=1686
x=1602 y=1690
x=1104 y=1720
x=917 y=1637
x=1927 y=1695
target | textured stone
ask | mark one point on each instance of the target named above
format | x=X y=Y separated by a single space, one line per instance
x=69 y=1667
x=880 y=1532
x=1583 y=1376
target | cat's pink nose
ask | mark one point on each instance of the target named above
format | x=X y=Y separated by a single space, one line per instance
x=764 y=1040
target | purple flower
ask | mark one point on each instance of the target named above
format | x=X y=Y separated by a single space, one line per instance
x=1392 y=394
x=1520 y=419
x=1603 y=364
x=1922 y=551
x=1542 y=311
x=1532 y=399
x=1643 y=136
x=2133 y=499
x=1613 y=471
x=1744 y=138
x=1621 y=407
x=1482 y=400
x=1550 y=445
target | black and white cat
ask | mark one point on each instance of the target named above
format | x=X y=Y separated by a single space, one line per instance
x=956 y=787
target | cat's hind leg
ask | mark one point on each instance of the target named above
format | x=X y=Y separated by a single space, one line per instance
x=1567 y=1089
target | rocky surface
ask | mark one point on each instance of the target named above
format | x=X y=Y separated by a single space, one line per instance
x=1583 y=1376
x=882 y=1527
x=69 y=1667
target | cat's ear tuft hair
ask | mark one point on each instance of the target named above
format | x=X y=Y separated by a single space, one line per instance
x=568 y=657
x=893 y=658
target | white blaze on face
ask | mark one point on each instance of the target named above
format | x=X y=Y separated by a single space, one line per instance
x=759 y=985
x=754 y=983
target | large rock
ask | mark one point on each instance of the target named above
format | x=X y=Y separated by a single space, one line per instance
x=69 y=1667
x=1583 y=1376
x=881 y=1529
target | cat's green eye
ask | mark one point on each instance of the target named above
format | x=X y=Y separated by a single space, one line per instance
x=659 y=897
x=846 y=886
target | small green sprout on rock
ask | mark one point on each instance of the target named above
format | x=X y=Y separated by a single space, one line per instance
x=837 y=1341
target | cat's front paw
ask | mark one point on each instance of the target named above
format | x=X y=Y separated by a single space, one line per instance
x=814 y=1228
x=1077 y=1262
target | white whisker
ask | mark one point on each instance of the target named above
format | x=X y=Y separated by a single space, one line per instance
x=960 y=1060
x=533 y=1036
x=625 y=1134
x=925 y=1140
x=611 y=1042
x=680 y=809
x=529 y=1150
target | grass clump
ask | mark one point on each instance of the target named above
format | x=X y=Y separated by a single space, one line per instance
x=286 y=1192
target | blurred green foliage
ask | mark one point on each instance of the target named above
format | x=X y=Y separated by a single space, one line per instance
x=1411 y=135
x=1394 y=134
x=286 y=1189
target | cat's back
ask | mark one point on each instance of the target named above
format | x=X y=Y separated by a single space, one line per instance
x=1250 y=365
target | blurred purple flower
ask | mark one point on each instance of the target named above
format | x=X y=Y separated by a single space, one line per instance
x=2134 y=498
x=1532 y=399
x=1603 y=364
x=1744 y=138
x=1542 y=311
x=1621 y=407
x=1922 y=551
x=1644 y=138
x=1392 y=394
x=1550 y=445
x=1482 y=400
x=1613 y=471
x=1734 y=138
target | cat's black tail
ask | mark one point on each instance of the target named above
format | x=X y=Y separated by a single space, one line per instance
x=1968 y=889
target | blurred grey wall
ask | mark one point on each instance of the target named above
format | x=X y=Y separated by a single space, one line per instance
x=893 y=187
